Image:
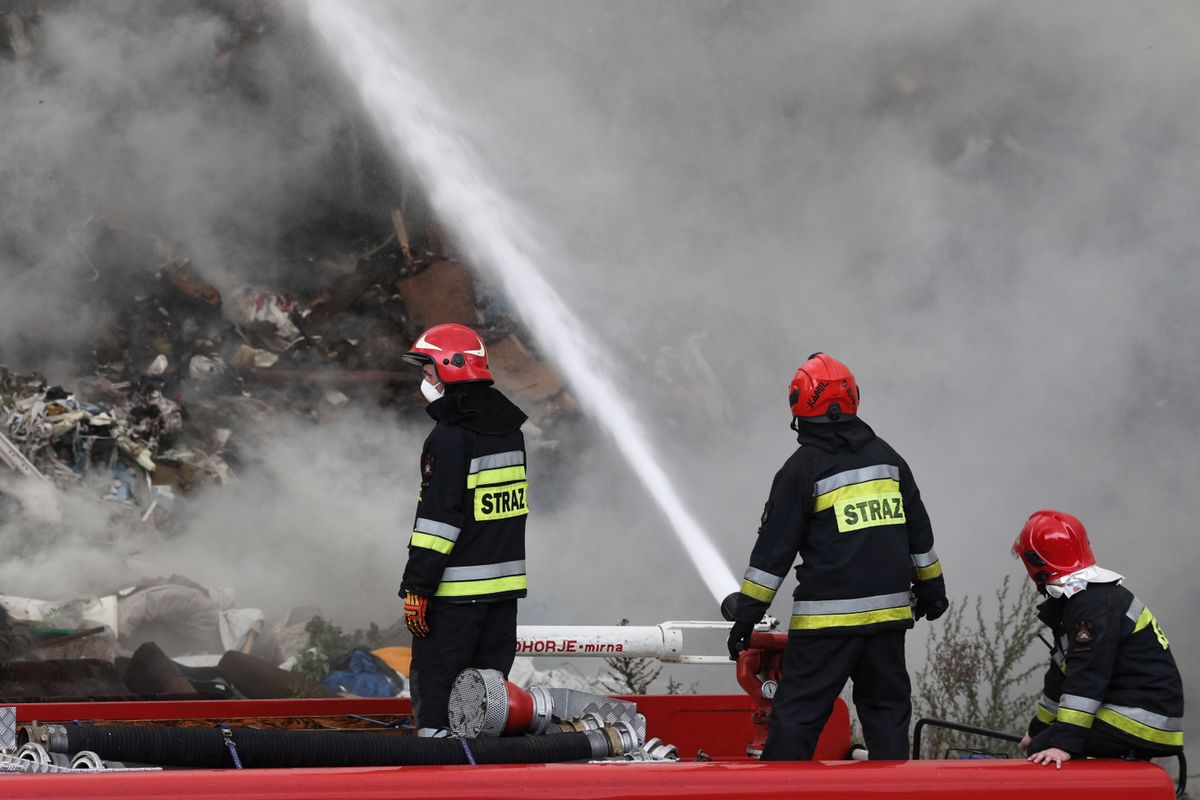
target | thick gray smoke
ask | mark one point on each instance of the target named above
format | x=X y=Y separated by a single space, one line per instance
x=986 y=209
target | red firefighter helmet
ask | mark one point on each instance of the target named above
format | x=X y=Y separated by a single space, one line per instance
x=456 y=352
x=823 y=389
x=1053 y=544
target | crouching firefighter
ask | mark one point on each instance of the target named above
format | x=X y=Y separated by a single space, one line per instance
x=848 y=504
x=1111 y=689
x=466 y=557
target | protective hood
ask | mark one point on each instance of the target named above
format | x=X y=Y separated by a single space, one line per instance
x=1076 y=582
x=477 y=407
x=849 y=434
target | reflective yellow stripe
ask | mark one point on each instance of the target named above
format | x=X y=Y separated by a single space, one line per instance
x=1045 y=715
x=1073 y=717
x=752 y=589
x=1135 y=728
x=501 y=502
x=934 y=570
x=430 y=542
x=858 y=490
x=1144 y=619
x=499 y=475
x=819 y=621
x=511 y=583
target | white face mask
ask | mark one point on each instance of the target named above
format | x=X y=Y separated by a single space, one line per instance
x=430 y=391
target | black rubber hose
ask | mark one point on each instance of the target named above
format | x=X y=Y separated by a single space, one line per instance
x=206 y=747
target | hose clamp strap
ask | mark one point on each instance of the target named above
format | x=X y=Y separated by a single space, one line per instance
x=227 y=736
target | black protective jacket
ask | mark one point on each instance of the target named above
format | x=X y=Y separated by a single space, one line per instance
x=468 y=540
x=847 y=503
x=1111 y=668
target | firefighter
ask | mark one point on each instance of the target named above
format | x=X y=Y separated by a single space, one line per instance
x=1112 y=688
x=848 y=504
x=466 y=556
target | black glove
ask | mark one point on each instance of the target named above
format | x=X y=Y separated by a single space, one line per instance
x=930 y=609
x=739 y=638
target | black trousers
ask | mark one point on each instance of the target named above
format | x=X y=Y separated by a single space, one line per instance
x=461 y=635
x=815 y=669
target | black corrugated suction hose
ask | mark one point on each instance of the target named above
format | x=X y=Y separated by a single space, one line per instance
x=207 y=748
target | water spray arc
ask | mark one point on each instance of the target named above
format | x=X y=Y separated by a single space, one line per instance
x=415 y=124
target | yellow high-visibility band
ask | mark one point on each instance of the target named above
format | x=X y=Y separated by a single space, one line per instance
x=857 y=490
x=819 y=621
x=1073 y=717
x=934 y=570
x=1135 y=728
x=430 y=542
x=1045 y=715
x=511 y=583
x=488 y=477
x=1144 y=619
x=752 y=589
x=502 y=502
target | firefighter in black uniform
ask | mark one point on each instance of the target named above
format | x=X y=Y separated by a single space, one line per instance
x=466 y=557
x=848 y=504
x=1112 y=688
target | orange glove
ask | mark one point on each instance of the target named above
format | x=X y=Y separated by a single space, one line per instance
x=415 y=608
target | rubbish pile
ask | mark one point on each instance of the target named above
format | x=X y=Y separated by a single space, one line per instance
x=181 y=375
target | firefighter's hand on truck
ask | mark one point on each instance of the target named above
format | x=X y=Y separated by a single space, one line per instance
x=739 y=638
x=1051 y=755
x=415 y=609
x=1024 y=745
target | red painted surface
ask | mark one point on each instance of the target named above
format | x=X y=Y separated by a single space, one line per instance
x=919 y=780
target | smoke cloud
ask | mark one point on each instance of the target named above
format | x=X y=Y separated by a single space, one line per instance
x=987 y=210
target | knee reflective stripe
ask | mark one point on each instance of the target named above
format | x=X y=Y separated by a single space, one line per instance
x=761 y=585
x=925 y=566
x=1143 y=724
x=819 y=614
x=508 y=576
x=434 y=535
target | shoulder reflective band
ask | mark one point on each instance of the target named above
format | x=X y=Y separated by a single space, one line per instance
x=1047 y=710
x=1143 y=724
x=925 y=566
x=496 y=468
x=861 y=498
x=502 y=502
x=1143 y=617
x=810 y=615
x=508 y=576
x=434 y=535
x=761 y=585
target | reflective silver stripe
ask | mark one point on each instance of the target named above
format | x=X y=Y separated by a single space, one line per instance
x=484 y=571
x=924 y=559
x=435 y=528
x=763 y=578
x=1135 y=610
x=1048 y=704
x=1147 y=717
x=1085 y=704
x=510 y=459
x=816 y=607
x=852 y=476
x=1056 y=658
x=1063 y=643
